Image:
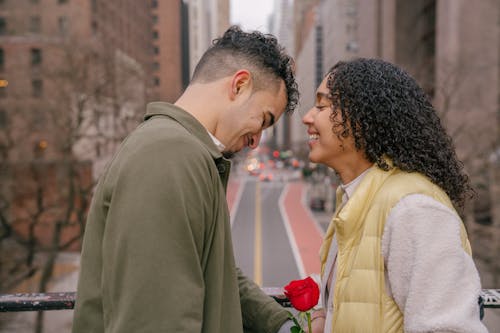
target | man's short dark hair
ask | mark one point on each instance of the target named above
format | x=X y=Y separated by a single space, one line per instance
x=259 y=53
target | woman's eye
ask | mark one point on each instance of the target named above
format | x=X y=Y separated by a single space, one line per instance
x=321 y=107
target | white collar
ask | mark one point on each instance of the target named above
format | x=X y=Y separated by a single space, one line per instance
x=350 y=187
x=219 y=144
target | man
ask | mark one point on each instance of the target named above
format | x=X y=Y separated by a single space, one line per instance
x=157 y=253
x=395 y=257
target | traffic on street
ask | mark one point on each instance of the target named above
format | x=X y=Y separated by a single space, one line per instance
x=276 y=237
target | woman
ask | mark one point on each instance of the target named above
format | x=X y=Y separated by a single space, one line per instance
x=396 y=255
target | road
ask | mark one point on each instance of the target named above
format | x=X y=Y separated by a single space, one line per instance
x=275 y=238
x=262 y=248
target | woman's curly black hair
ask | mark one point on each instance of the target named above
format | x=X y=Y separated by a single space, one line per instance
x=389 y=115
x=261 y=52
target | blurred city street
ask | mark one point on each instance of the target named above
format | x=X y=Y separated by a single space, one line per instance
x=276 y=238
x=76 y=77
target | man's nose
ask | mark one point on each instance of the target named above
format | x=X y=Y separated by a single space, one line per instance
x=254 y=140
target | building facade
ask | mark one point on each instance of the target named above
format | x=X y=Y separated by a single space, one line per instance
x=452 y=48
x=76 y=76
x=182 y=31
x=208 y=19
x=43 y=43
x=170 y=49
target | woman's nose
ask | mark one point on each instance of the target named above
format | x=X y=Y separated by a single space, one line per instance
x=308 y=117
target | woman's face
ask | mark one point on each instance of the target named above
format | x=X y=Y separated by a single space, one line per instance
x=326 y=147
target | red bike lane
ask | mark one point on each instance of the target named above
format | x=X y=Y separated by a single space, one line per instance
x=305 y=233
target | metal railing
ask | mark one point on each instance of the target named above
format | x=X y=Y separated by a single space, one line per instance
x=66 y=300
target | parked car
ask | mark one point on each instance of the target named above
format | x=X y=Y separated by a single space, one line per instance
x=266 y=177
x=317 y=204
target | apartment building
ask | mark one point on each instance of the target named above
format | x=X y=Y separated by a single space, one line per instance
x=76 y=76
x=44 y=42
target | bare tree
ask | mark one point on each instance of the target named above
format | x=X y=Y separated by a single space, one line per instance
x=468 y=106
x=92 y=99
x=459 y=69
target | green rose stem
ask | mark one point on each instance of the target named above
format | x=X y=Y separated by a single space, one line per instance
x=297 y=328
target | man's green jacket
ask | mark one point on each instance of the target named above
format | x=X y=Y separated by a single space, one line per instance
x=157 y=253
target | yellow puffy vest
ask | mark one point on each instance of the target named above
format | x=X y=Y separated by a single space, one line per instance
x=360 y=302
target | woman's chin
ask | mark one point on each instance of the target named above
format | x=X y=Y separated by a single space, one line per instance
x=312 y=158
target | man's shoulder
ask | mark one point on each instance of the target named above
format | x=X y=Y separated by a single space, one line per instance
x=166 y=134
x=165 y=142
x=162 y=125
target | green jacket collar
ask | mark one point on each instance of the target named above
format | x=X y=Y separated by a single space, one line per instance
x=193 y=126
x=186 y=120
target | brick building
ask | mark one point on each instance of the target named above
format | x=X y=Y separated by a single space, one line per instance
x=79 y=74
x=182 y=31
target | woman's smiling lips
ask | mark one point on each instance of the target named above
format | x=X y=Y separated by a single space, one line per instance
x=313 y=137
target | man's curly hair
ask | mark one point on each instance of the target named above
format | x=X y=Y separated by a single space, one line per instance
x=389 y=115
x=259 y=53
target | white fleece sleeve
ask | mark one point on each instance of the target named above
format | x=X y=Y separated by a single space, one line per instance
x=432 y=279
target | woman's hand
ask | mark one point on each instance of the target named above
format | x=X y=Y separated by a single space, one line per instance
x=318 y=318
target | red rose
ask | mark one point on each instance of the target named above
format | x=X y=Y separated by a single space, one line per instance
x=303 y=294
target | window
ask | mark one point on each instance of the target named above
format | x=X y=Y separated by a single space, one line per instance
x=155 y=19
x=156 y=50
x=63 y=25
x=319 y=54
x=94 y=28
x=36 y=57
x=155 y=34
x=35 y=1
x=3 y=26
x=2 y=59
x=98 y=149
x=35 y=24
x=37 y=86
x=94 y=6
x=156 y=81
x=3 y=119
x=39 y=119
x=39 y=148
x=154 y=3
x=156 y=66
x=61 y=2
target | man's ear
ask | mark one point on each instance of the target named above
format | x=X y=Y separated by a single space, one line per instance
x=241 y=82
